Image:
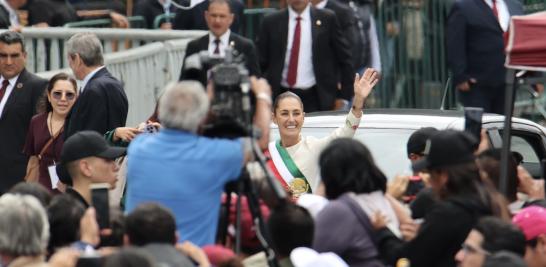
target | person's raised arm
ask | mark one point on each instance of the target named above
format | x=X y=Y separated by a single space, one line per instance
x=363 y=86
x=262 y=118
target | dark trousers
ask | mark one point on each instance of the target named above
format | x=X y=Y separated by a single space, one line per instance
x=308 y=96
x=490 y=98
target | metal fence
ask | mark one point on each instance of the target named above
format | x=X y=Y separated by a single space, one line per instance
x=144 y=71
x=412 y=46
x=45 y=46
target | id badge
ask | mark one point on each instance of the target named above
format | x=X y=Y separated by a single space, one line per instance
x=52 y=170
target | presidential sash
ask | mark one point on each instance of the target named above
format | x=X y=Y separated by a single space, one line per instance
x=285 y=166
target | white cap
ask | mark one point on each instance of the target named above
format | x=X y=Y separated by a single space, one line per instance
x=306 y=257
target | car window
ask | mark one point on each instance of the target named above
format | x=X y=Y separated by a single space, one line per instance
x=522 y=146
x=388 y=146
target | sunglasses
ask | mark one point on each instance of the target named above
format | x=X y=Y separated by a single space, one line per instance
x=468 y=249
x=59 y=95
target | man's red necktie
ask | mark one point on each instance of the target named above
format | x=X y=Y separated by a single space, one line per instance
x=495 y=10
x=217 y=48
x=294 y=54
x=5 y=85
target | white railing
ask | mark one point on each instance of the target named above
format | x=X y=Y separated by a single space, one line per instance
x=144 y=71
x=45 y=46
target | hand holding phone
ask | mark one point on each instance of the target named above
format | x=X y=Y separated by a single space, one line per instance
x=473 y=121
x=99 y=196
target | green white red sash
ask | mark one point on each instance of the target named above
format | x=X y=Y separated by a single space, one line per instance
x=288 y=170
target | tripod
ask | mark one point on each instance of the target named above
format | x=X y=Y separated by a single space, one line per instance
x=244 y=185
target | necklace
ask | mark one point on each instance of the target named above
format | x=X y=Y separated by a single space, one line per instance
x=51 y=130
x=50 y=119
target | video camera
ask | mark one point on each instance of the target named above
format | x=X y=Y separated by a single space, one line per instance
x=231 y=111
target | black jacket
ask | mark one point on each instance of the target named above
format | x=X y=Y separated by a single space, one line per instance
x=240 y=44
x=102 y=106
x=475 y=46
x=332 y=63
x=194 y=18
x=14 y=123
x=440 y=236
x=5 y=23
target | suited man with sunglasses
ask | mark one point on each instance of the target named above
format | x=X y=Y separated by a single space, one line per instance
x=19 y=94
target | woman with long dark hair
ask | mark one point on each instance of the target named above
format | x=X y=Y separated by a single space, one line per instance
x=44 y=139
x=462 y=196
x=356 y=189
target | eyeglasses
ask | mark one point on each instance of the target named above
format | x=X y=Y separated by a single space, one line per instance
x=468 y=249
x=59 y=95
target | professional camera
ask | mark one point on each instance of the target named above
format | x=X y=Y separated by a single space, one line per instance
x=231 y=110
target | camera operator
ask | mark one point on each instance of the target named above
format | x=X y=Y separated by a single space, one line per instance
x=186 y=172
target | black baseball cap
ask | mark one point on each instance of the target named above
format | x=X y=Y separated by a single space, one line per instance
x=82 y=145
x=445 y=148
x=418 y=139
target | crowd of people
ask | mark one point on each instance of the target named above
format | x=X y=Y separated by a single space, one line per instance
x=65 y=139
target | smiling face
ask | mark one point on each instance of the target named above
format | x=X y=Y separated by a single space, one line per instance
x=289 y=117
x=62 y=97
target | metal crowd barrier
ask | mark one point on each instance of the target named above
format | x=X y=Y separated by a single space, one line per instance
x=145 y=71
x=413 y=54
x=134 y=22
x=45 y=46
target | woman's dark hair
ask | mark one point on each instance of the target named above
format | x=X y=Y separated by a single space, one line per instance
x=284 y=95
x=464 y=181
x=43 y=104
x=346 y=165
x=291 y=226
x=489 y=162
x=500 y=235
x=64 y=213
x=34 y=189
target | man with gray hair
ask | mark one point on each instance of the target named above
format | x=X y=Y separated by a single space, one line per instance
x=24 y=231
x=186 y=172
x=102 y=104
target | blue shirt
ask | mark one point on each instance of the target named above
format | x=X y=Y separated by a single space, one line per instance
x=185 y=173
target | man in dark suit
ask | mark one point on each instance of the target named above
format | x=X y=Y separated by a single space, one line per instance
x=348 y=23
x=192 y=19
x=302 y=49
x=475 y=50
x=19 y=94
x=8 y=14
x=151 y=9
x=219 y=18
x=102 y=104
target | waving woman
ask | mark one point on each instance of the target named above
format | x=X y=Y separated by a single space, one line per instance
x=294 y=157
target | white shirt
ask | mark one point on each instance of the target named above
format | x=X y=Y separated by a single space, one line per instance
x=322 y=4
x=13 y=18
x=88 y=77
x=306 y=152
x=12 y=82
x=504 y=15
x=375 y=61
x=224 y=42
x=306 y=74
